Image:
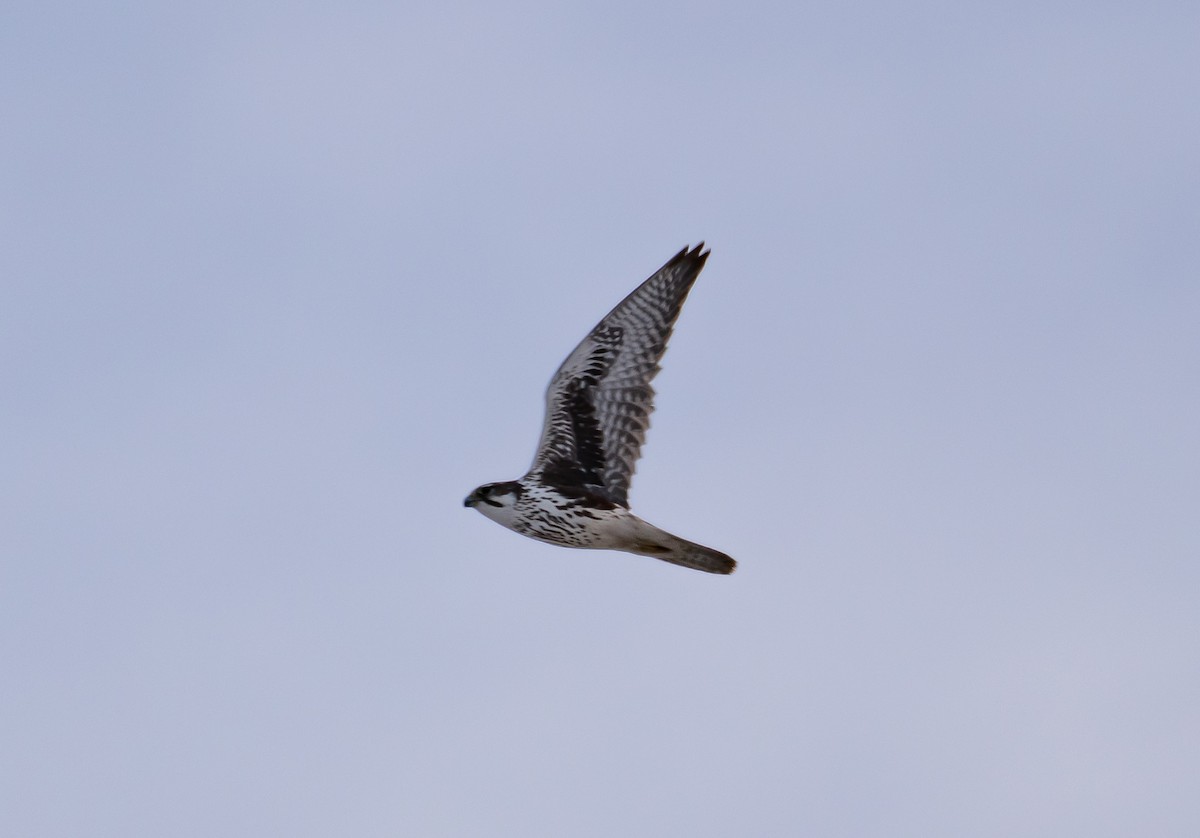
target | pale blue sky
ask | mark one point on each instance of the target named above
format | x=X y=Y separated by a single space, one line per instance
x=283 y=282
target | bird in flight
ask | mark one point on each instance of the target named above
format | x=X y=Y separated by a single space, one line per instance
x=598 y=404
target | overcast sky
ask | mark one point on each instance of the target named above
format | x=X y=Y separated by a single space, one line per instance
x=282 y=283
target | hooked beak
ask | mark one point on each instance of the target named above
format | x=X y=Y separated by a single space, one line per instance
x=471 y=500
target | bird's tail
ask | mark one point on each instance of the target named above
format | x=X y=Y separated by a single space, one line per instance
x=676 y=550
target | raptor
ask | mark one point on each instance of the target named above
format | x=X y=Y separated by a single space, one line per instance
x=598 y=404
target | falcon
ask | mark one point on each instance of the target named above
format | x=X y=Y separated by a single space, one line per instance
x=598 y=404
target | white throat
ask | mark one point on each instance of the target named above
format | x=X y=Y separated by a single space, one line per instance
x=504 y=515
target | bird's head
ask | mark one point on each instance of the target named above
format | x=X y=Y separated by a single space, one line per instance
x=495 y=500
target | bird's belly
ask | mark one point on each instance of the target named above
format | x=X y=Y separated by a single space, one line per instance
x=572 y=526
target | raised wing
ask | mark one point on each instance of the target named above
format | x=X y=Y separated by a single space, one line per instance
x=598 y=404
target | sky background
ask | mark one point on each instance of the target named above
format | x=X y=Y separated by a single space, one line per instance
x=282 y=283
